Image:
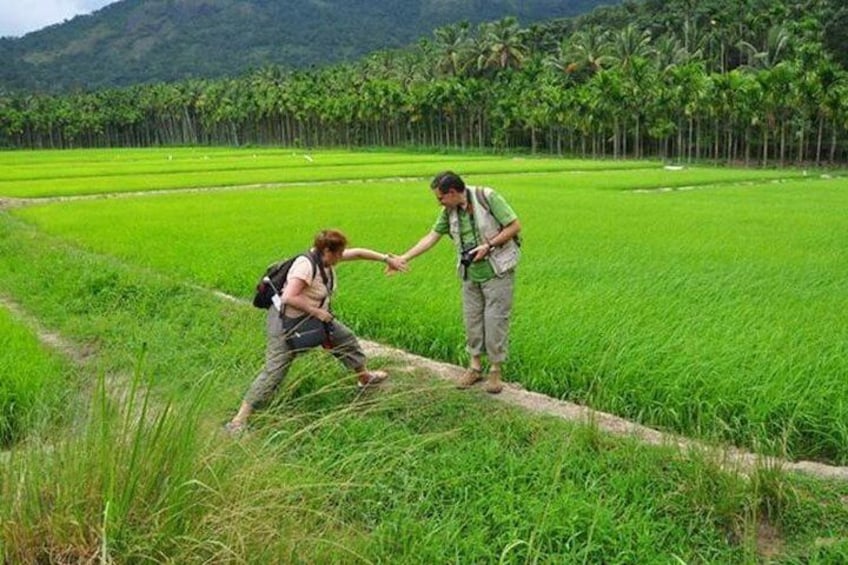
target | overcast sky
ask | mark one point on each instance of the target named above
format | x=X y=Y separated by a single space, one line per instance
x=19 y=17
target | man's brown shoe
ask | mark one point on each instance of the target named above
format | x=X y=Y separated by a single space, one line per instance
x=470 y=377
x=494 y=384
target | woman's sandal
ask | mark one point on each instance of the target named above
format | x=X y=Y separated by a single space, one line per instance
x=235 y=429
x=371 y=378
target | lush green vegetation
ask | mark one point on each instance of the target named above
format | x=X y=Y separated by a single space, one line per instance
x=417 y=471
x=753 y=81
x=715 y=313
x=34 y=385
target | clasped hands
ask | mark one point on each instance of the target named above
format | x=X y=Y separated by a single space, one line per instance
x=399 y=264
x=396 y=264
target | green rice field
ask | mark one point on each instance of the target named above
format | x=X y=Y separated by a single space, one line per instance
x=708 y=302
x=95 y=172
x=717 y=313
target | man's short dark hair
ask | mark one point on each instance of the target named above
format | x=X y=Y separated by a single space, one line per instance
x=447 y=180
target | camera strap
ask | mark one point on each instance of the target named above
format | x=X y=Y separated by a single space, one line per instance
x=475 y=233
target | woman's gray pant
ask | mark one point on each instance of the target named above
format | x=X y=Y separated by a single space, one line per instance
x=279 y=357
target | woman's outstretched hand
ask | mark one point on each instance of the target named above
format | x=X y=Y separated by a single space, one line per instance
x=395 y=264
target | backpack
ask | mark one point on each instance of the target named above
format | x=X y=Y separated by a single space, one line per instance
x=272 y=282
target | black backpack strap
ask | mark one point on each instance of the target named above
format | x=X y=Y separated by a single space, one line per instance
x=329 y=281
x=314 y=260
x=318 y=264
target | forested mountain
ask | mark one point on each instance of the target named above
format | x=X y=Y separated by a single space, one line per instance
x=753 y=81
x=143 y=41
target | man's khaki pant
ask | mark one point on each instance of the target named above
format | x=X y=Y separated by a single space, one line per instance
x=486 y=309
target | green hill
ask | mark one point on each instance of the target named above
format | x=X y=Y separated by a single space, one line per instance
x=143 y=41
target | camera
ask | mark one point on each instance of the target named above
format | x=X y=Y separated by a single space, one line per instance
x=467 y=257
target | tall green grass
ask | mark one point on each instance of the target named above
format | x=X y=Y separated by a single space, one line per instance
x=35 y=382
x=140 y=480
x=713 y=312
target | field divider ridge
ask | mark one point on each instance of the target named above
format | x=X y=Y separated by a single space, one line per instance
x=730 y=458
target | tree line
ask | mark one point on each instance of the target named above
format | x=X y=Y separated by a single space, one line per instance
x=680 y=80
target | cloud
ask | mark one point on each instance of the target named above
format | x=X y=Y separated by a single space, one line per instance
x=19 y=17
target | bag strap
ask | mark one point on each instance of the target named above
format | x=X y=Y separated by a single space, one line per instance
x=318 y=263
x=317 y=266
x=483 y=200
x=329 y=283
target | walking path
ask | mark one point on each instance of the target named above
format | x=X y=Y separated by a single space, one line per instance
x=730 y=457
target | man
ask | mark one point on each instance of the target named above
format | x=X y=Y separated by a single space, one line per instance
x=484 y=229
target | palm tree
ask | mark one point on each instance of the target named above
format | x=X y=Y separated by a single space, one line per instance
x=776 y=49
x=504 y=45
x=452 y=49
x=834 y=105
x=669 y=52
x=265 y=84
x=629 y=44
x=609 y=106
x=11 y=121
x=586 y=49
x=777 y=84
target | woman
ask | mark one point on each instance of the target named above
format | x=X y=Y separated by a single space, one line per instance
x=305 y=299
